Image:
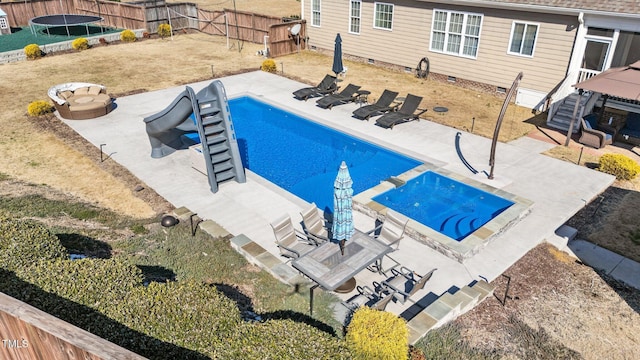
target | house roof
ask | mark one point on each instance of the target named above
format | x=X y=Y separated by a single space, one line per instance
x=631 y=7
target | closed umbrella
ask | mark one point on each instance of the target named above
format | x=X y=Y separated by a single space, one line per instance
x=337 y=56
x=342 y=227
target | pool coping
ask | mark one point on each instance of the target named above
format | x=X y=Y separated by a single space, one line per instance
x=457 y=250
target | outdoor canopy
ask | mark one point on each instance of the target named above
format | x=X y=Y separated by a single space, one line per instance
x=623 y=82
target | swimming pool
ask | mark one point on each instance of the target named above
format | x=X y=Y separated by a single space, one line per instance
x=303 y=157
x=448 y=206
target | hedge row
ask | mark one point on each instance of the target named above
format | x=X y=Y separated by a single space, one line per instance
x=171 y=320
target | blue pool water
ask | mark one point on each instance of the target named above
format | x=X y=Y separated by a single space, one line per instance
x=303 y=157
x=448 y=206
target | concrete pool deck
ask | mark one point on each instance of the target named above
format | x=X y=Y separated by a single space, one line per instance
x=558 y=189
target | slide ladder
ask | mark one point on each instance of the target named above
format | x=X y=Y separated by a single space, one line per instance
x=217 y=137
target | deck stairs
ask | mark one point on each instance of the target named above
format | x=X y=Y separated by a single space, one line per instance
x=218 y=139
x=561 y=118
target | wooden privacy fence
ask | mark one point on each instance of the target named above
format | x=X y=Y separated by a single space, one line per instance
x=29 y=333
x=237 y=25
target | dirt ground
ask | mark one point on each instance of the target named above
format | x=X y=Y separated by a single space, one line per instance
x=569 y=309
x=573 y=304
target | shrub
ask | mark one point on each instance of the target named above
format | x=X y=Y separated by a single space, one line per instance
x=164 y=30
x=24 y=242
x=621 y=166
x=268 y=65
x=282 y=339
x=80 y=44
x=374 y=334
x=33 y=51
x=39 y=107
x=128 y=36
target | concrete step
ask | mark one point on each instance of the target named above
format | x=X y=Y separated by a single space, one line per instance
x=468 y=298
x=484 y=288
x=454 y=301
x=562 y=236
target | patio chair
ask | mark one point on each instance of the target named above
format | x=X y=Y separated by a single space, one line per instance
x=406 y=113
x=392 y=229
x=314 y=225
x=381 y=106
x=291 y=243
x=326 y=86
x=595 y=135
x=405 y=283
x=348 y=94
x=368 y=297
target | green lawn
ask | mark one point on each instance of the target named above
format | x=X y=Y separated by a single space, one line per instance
x=21 y=37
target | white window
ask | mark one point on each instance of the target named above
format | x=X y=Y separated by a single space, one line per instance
x=523 y=38
x=3 y=23
x=383 y=17
x=456 y=33
x=315 y=12
x=354 y=16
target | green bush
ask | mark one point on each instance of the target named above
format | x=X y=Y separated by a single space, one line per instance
x=25 y=242
x=128 y=36
x=282 y=339
x=39 y=107
x=164 y=30
x=33 y=51
x=80 y=44
x=269 y=66
x=374 y=334
x=618 y=165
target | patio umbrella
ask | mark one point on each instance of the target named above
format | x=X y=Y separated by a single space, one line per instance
x=342 y=227
x=337 y=56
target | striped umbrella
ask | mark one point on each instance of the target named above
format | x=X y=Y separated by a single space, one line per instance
x=342 y=227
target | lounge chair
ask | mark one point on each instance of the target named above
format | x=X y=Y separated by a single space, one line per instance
x=407 y=112
x=314 y=225
x=326 y=86
x=381 y=106
x=289 y=241
x=405 y=283
x=595 y=135
x=348 y=94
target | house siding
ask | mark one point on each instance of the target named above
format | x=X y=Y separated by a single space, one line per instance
x=409 y=40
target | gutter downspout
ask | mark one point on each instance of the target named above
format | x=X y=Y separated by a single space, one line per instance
x=301 y=9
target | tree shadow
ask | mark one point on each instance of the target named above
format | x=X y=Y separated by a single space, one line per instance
x=85 y=245
x=299 y=317
x=245 y=305
x=156 y=273
x=91 y=320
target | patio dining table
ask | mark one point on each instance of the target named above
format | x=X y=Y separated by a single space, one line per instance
x=329 y=268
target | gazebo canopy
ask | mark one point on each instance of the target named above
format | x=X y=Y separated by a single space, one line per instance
x=622 y=82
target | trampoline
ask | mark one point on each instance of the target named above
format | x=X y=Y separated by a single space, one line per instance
x=62 y=20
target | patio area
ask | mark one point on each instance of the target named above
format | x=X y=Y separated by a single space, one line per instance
x=556 y=188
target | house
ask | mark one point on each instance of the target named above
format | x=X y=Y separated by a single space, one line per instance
x=4 y=23
x=484 y=44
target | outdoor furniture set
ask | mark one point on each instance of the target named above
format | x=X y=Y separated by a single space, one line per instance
x=81 y=101
x=333 y=266
x=599 y=134
x=386 y=107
